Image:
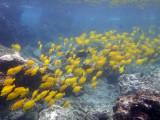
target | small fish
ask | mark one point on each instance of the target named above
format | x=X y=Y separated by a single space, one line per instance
x=8 y=81
x=48 y=98
x=18 y=104
x=40 y=47
x=99 y=73
x=31 y=62
x=29 y=104
x=34 y=71
x=77 y=88
x=94 y=84
x=19 y=90
x=59 y=96
x=16 y=47
x=7 y=89
x=28 y=72
x=35 y=93
x=82 y=80
x=66 y=104
x=53 y=93
x=43 y=69
x=82 y=54
x=51 y=102
x=63 y=88
x=12 y=96
x=94 y=79
x=121 y=69
x=14 y=70
x=45 y=77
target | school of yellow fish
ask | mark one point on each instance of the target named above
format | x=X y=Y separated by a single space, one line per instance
x=110 y=49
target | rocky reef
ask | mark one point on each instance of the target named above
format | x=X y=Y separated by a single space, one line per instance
x=88 y=104
x=130 y=83
x=144 y=105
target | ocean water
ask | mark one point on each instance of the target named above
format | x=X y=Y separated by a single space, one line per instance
x=46 y=20
x=117 y=37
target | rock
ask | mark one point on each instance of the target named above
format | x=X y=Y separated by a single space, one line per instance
x=56 y=112
x=130 y=83
x=102 y=96
x=77 y=110
x=144 y=105
x=98 y=115
x=10 y=58
x=14 y=115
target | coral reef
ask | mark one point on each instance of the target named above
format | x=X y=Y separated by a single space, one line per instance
x=144 y=105
x=130 y=83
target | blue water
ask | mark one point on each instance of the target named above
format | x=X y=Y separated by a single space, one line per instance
x=31 y=21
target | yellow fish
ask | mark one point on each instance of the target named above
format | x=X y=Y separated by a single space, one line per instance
x=20 y=90
x=70 y=45
x=45 y=85
x=59 y=96
x=56 y=63
x=63 y=88
x=53 y=93
x=24 y=93
x=77 y=88
x=94 y=79
x=35 y=93
x=66 y=104
x=7 y=89
x=48 y=98
x=121 y=69
x=18 y=104
x=89 y=70
x=39 y=42
x=16 y=47
x=45 y=77
x=15 y=70
x=58 y=47
x=28 y=72
x=27 y=105
x=46 y=62
x=94 y=84
x=8 y=81
x=51 y=102
x=82 y=80
x=99 y=73
x=34 y=71
x=88 y=61
x=31 y=62
x=12 y=96
x=69 y=71
x=43 y=69
x=40 y=47
x=44 y=93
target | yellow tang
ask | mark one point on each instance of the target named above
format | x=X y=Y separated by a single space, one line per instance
x=66 y=104
x=18 y=104
x=27 y=105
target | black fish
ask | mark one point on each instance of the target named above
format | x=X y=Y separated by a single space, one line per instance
x=82 y=54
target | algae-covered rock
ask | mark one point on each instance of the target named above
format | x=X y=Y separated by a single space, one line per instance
x=144 y=105
x=98 y=115
x=129 y=83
